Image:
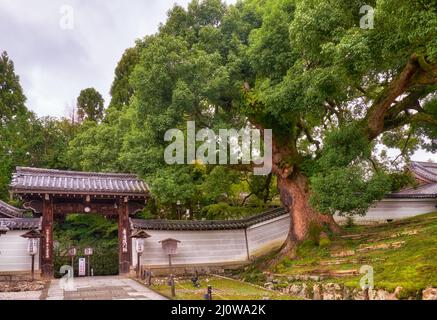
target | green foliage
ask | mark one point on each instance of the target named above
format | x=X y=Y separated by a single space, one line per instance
x=12 y=98
x=347 y=191
x=344 y=146
x=223 y=211
x=95 y=148
x=121 y=89
x=255 y=276
x=83 y=231
x=314 y=233
x=90 y=105
x=103 y=262
x=303 y=68
x=429 y=131
x=324 y=242
x=218 y=184
x=400 y=180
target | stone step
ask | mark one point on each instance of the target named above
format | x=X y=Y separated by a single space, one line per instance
x=381 y=246
x=349 y=261
x=344 y=253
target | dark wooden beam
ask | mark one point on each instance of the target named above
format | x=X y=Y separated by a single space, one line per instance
x=124 y=232
x=63 y=207
x=47 y=267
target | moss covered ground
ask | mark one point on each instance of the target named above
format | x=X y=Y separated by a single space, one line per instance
x=402 y=254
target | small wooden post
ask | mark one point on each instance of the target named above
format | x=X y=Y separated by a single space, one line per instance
x=172 y=284
x=138 y=264
x=72 y=265
x=33 y=267
x=149 y=278
x=209 y=292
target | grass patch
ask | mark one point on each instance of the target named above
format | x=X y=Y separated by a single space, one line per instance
x=223 y=289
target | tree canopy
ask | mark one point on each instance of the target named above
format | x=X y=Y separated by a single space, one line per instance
x=336 y=95
x=90 y=105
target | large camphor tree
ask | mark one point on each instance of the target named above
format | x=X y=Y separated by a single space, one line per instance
x=334 y=94
x=331 y=90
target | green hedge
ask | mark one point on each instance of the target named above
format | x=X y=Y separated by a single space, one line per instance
x=103 y=264
x=82 y=231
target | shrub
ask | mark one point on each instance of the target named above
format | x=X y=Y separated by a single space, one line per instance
x=314 y=233
x=324 y=242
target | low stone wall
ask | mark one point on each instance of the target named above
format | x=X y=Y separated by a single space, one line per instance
x=13 y=253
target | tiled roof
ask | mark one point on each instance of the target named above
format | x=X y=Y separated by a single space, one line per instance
x=9 y=211
x=21 y=223
x=424 y=191
x=206 y=224
x=425 y=171
x=34 y=180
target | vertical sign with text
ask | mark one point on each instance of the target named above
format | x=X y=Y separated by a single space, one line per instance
x=82 y=267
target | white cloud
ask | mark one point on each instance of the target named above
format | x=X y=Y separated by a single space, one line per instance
x=54 y=64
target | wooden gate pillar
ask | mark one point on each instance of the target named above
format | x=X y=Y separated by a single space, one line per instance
x=47 y=266
x=124 y=233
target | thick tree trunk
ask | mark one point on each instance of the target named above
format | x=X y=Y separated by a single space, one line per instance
x=294 y=193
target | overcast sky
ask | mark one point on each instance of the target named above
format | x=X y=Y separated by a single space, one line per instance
x=56 y=59
x=60 y=47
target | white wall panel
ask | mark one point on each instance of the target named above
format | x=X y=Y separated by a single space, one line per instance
x=13 y=253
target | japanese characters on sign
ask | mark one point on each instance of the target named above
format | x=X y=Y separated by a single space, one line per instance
x=140 y=245
x=124 y=241
x=88 y=251
x=82 y=267
x=33 y=246
x=48 y=242
x=72 y=252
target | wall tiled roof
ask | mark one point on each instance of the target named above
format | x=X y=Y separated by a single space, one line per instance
x=207 y=224
x=424 y=191
x=425 y=171
x=34 y=180
x=9 y=211
x=21 y=223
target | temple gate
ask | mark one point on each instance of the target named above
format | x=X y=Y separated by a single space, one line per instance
x=55 y=193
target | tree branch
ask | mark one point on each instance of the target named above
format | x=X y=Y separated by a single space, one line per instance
x=416 y=73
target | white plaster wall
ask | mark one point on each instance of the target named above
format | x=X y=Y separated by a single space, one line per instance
x=267 y=235
x=13 y=253
x=196 y=248
x=392 y=209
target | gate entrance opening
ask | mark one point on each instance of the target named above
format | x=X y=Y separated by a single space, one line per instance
x=53 y=194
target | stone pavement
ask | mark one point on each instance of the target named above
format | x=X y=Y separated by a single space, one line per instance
x=102 y=288
x=95 y=288
x=29 y=295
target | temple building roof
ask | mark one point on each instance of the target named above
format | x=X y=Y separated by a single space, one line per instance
x=426 y=176
x=8 y=211
x=190 y=225
x=424 y=171
x=48 y=181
